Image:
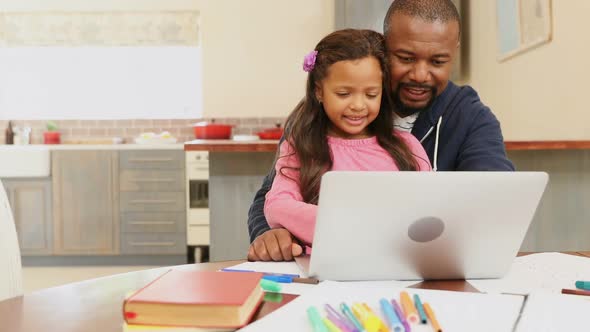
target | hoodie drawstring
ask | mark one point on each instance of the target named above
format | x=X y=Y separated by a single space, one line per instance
x=434 y=166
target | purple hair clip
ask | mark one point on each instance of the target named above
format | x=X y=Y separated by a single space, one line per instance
x=309 y=61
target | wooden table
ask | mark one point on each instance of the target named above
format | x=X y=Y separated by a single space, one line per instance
x=96 y=305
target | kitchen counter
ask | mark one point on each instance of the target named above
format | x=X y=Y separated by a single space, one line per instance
x=234 y=179
x=228 y=145
x=178 y=146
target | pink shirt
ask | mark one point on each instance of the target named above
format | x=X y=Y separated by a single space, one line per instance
x=284 y=206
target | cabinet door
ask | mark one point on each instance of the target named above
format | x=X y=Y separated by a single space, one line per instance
x=85 y=202
x=30 y=200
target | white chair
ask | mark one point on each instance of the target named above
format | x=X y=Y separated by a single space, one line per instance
x=10 y=264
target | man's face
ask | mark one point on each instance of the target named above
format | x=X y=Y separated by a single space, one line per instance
x=421 y=57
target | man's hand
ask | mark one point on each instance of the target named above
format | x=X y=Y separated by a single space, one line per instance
x=274 y=245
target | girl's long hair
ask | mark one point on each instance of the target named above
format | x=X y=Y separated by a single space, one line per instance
x=307 y=126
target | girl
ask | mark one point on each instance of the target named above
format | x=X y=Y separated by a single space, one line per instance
x=345 y=122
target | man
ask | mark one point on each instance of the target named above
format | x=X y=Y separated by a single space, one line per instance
x=458 y=132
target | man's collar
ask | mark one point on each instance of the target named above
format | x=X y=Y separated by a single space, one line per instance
x=429 y=117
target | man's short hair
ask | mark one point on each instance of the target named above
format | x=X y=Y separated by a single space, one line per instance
x=428 y=10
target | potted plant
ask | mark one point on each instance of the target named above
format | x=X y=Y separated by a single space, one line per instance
x=52 y=135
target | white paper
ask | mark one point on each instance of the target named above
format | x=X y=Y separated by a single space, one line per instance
x=293 y=268
x=278 y=267
x=544 y=272
x=455 y=311
x=549 y=312
x=271 y=267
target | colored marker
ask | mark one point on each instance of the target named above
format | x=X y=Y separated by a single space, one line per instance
x=409 y=308
x=351 y=317
x=265 y=273
x=585 y=285
x=339 y=319
x=400 y=314
x=394 y=323
x=420 y=309
x=281 y=279
x=382 y=327
x=330 y=325
x=432 y=317
x=370 y=322
x=575 y=292
x=316 y=320
x=270 y=286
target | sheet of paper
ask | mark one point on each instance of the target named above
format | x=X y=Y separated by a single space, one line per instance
x=544 y=312
x=455 y=311
x=544 y=272
x=292 y=268
x=278 y=267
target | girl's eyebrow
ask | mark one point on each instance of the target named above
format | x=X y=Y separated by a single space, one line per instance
x=349 y=87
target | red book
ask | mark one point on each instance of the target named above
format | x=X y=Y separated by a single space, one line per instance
x=196 y=298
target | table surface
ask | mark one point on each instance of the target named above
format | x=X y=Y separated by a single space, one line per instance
x=96 y=304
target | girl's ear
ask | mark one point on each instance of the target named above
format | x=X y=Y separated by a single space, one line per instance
x=319 y=93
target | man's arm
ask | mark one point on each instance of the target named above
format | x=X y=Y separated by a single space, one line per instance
x=268 y=244
x=483 y=149
x=257 y=223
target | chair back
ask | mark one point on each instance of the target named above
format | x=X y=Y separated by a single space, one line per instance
x=10 y=262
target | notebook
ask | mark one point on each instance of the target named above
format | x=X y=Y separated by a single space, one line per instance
x=456 y=311
x=544 y=312
x=205 y=299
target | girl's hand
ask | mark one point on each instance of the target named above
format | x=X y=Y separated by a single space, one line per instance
x=274 y=245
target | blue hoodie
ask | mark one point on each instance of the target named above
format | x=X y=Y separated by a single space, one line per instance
x=469 y=139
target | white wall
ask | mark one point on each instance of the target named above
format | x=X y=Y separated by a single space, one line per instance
x=252 y=50
x=541 y=94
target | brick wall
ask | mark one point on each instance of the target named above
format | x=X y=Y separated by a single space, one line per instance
x=97 y=131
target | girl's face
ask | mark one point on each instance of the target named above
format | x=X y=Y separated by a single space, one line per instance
x=351 y=95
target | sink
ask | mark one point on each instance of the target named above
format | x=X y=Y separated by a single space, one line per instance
x=23 y=161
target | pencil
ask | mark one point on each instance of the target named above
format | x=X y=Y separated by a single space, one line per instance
x=575 y=292
x=306 y=280
x=432 y=317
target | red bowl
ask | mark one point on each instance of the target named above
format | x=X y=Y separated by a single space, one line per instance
x=271 y=134
x=212 y=131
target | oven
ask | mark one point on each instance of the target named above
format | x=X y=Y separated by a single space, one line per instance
x=197 y=196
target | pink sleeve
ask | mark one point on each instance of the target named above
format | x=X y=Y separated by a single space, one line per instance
x=416 y=149
x=284 y=206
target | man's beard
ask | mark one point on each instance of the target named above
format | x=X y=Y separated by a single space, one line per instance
x=404 y=110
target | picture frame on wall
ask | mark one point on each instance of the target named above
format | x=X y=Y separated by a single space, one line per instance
x=522 y=25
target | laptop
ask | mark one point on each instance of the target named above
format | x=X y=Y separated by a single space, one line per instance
x=421 y=225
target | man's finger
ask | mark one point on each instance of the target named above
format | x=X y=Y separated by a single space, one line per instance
x=260 y=249
x=285 y=240
x=272 y=246
x=285 y=247
x=252 y=257
x=296 y=250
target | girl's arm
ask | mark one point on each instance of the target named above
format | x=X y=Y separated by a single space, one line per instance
x=284 y=206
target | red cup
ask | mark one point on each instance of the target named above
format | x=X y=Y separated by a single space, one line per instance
x=51 y=137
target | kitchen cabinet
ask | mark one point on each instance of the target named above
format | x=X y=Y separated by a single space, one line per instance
x=85 y=202
x=30 y=200
x=233 y=181
x=152 y=202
